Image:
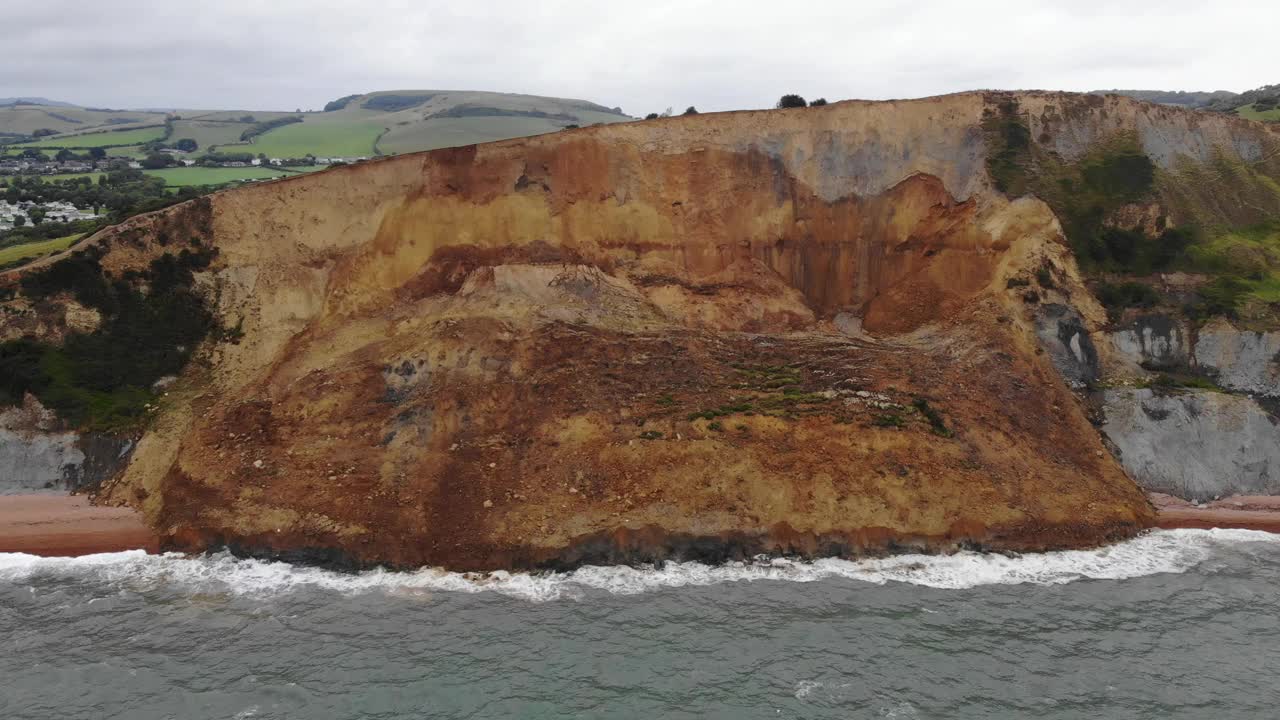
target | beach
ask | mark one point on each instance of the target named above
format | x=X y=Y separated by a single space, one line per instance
x=57 y=525
x=70 y=525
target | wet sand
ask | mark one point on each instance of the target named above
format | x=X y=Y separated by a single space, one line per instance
x=1248 y=512
x=69 y=525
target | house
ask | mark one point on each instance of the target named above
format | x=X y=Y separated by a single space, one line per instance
x=322 y=161
x=187 y=162
x=276 y=161
x=135 y=164
x=234 y=163
x=256 y=161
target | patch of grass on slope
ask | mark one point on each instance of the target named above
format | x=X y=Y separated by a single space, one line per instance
x=322 y=138
x=1249 y=112
x=15 y=254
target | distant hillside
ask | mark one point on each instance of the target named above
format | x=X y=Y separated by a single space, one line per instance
x=1181 y=98
x=361 y=125
x=1259 y=104
x=34 y=101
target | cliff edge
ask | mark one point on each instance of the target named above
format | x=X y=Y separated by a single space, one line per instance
x=797 y=331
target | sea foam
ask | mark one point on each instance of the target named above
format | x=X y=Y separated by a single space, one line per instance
x=1160 y=551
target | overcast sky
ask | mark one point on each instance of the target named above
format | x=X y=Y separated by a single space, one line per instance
x=644 y=55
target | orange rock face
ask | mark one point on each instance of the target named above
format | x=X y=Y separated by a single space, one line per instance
x=709 y=336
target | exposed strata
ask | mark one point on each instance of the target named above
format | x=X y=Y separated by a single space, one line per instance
x=37 y=453
x=785 y=331
x=1240 y=360
x=1194 y=445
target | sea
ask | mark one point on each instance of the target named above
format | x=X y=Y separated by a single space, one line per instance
x=1172 y=624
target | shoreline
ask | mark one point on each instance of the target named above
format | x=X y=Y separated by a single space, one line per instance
x=68 y=525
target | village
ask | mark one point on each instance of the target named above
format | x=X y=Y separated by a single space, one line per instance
x=41 y=166
x=32 y=213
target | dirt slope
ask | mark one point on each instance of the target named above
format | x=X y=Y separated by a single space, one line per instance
x=782 y=331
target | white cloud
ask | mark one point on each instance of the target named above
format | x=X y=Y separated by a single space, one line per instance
x=644 y=56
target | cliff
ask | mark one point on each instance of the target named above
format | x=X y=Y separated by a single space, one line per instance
x=804 y=331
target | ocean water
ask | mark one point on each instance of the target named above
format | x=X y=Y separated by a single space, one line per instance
x=1174 y=624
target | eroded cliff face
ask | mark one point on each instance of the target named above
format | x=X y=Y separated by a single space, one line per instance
x=709 y=336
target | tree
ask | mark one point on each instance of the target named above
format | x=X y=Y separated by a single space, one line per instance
x=36 y=214
x=691 y=110
x=187 y=145
x=42 y=132
x=98 y=153
x=155 y=161
x=791 y=101
x=651 y=116
x=64 y=155
x=818 y=103
x=19 y=220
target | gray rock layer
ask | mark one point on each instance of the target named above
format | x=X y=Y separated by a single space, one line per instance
x=37 y=461
x=1240 y=360
x=1063 y=335
x=35 y=455
x=1196 y=445
x=1154 y=342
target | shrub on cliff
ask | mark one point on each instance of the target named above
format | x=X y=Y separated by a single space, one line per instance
x=818 y=103
x=152 y=322
x=691 y=110
x=1116 y=297
x=792 y=101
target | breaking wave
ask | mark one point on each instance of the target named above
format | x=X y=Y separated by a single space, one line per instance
x=1160 y=551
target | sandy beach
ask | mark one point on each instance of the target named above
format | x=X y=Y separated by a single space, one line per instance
x=69 y=525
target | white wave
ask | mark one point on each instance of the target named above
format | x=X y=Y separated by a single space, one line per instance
x=804 y=687
x=1161 y=551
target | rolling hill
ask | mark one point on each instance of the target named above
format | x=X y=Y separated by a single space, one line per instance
x=367 y=125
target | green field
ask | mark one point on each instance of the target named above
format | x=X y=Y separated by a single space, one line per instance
x=101 y=139
x=452 y=132
x=323 y=138
x=208 y=134
x=131 y=151
x=70 y=176
x=17 y=253
x=182 y=177
x=1248 y=112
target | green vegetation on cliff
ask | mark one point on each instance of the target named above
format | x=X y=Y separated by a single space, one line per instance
x=151 y=323
x=1225 y=228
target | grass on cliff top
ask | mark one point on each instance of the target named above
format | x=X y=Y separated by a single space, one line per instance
x=1249 y=112
x=18 y=253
